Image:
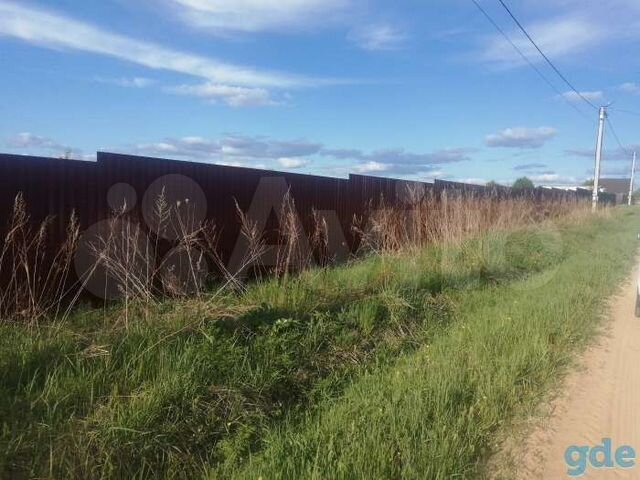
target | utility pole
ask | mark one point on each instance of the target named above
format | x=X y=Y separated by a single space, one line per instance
x=633 y=171
x=596 y=174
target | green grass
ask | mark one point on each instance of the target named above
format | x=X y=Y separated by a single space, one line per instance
x=392 y=367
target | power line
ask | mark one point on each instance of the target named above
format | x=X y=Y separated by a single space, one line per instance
x=526 y=59
x=542 y=76
x=615 y=135
x=629 y=112
x=544 y=56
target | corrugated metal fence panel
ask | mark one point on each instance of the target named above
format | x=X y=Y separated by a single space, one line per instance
x=51 y=187
x=57 y=187
x=223 y=186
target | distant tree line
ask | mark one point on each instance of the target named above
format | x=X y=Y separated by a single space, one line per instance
x=521 y=184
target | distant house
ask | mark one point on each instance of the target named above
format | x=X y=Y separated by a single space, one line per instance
x=566 y=188
x=617 y=186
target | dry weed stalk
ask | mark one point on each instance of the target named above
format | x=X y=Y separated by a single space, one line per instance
x=129 y=256
x=36 y=280
x=452 y=218
x=319 y=239
x=255 y=248
x=292 y=253
x=34 y=276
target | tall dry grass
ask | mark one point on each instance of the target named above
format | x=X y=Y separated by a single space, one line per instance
x=37 y=282
x=34 y=278
x=451 y=218
x=294 y=249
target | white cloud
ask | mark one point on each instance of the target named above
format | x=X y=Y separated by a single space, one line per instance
x=36 y=144
x=30 y=140
x=610 y=154
x=371 y=167
x=472 y=180
x=264 y=147
x=575 y=31
x=134 y=82
x=557 y=37
x=580 y=152
x=546 y=177
x=282 y=16
x=551 y=178
x=630 y=87
x=292 y=163
x=377 y=37
x=399 y=156
x=266 y=152
x=298 y=153
x=232 y=149
x=232 y=96
x=51 y=30
x=528 y=167
x=521 y=137
x=595 y=96
x=397 y=160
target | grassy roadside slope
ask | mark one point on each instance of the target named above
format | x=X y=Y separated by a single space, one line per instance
x=397 y=366
x=187 y=386
x=433 y=414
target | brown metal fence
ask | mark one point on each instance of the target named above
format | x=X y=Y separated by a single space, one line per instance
x=58 y=187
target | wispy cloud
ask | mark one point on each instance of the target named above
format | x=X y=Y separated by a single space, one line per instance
x=267 y=152
x=371 y=167
x=552 y=178
x=529 y=166
x=38 y=144
x=614 y=154
x=385 y=169
x=401 y=156
x=265 y=147
x=31 y=140
x=558 y=37
x=281 y=16
x=580 y=152
x=398 y=161
x=293 y=163
x=378 y=37
x=51 y=30
x=521 y=137
x=248 y=150
x=133 y=82
x=575 y=31
x=230 y=148
x=232 y=96
x=630 y=87
x=594 y=96
x=472 y=180
x=451 y=33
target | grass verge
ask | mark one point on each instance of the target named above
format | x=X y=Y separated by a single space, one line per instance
x=398 y=366
x=434 y=412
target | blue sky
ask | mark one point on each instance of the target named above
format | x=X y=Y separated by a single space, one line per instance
x=410 y=89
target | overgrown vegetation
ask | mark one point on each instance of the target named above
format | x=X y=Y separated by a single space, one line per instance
x=399 y=365
x=435 y=412
x=170 y=254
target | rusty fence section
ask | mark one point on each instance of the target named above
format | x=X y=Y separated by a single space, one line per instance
x=57 y=187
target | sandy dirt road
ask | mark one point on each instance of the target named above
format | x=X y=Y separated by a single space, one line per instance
x=600 y=399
